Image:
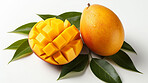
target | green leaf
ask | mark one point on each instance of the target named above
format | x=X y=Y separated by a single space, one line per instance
x=16 y=44
x=73 y=17
x=104 y=71
x=44 y=17
x=76 y=65
x=123 y=60
x=128 y=47
x=25 y=29
x=23 y=50
x=67 y=15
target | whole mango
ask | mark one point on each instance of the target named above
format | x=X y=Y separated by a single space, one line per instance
x=101 y=30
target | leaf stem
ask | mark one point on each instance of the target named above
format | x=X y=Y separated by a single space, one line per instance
x=88 y=4
x=89 y=53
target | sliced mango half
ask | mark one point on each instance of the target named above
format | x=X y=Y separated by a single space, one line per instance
x=55 y=41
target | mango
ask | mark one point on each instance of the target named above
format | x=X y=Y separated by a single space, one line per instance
x=55 y=41
x=101 y=30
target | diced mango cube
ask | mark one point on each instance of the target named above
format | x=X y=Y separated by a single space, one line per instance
x=70 y=33
x=58 y=25
x=76 y=37
x=48 y=59
x=34 y=27
x=40 y=25
x=43 y=56
x=60 y=42
x=69 y=53
x=46 y=29
x=48 y=21
x=51 y=32
x=38 y=49
x=60 y=58
x=76 y=45
x=51 y=60
x=73 y=31
x=66 y=23
x=33 y=34
x=66 y=35
x=42 y=39
x=50 y=49
x=32 y=42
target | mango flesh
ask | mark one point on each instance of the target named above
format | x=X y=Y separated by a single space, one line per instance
x=101 y=30
x=55 y=41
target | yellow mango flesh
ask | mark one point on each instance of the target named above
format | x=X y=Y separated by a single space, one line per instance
x=55 y=41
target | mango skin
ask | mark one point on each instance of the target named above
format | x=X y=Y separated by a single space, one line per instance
x=101 y=30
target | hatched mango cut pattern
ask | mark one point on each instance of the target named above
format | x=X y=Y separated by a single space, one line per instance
x=55 y=41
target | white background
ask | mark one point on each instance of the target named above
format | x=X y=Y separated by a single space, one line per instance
x=13 y=13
